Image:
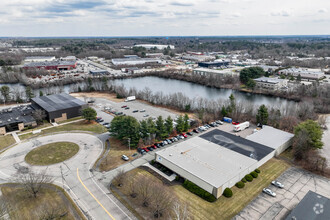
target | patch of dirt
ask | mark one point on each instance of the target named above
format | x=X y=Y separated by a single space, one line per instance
x=109 y=96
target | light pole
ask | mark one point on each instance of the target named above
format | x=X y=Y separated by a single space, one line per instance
x=129 y=144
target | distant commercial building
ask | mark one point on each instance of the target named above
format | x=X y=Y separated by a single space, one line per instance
x=312 y=207
x=271 y=137
x=308 y=74
x=16 y=119
x=206 y=71
x=39 y=59
x=154 y=55
x=197 y=58
x=98 y=72
x=215 y=160
x=270 y=83
x=134 y=61
x=158 y=46
x=59 y=107
x=213 y=64
x=69 y=58
x=51 y=65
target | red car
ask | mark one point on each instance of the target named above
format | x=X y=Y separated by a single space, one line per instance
x=153 y=146
x=235 y=123
x=184 y=135
x=146 y=149
x=124 y=106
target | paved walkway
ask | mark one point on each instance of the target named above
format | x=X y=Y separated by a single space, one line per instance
x=15 y=136
x=169 y=178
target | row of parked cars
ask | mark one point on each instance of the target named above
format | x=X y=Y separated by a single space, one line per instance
x=208 y=126
x=269 y=191
x=163 y=143
x=100 y=120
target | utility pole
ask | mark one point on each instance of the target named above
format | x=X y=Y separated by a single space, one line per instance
x=129 y=144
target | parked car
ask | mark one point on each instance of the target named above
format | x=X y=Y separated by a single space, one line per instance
x=214 y=124
x=189 y=133
x=219 y=122
x=175 y=139
x=143 y=110
x=158 y=145
x=196 y=131
x=211 y=125
x=278 y=184
x=146 y=115
x=134 y=111
x=141 y=151
x=207 y=126
x=269 y=192
x=184 y=135
x=235 y=123
x=150 y=148
x=165 y=142
x=124 y=157
x=154 y=146
x=146 y=149
x=169 y=141
x=161 y=144
x=101 y=120
x=124 y=106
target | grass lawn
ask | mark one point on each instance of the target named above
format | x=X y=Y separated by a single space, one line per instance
x=6 y=141
x=75 y=126
x=24 y=207
x=113 y=158
x=223 y=208
x=51 y=153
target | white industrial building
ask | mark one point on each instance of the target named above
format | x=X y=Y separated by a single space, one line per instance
x=207 y=71
x=270 y=83
x=134 y=61
x=197 y=58
x=39 y=59
x=216 y=159
x=271 y=137
x=308 y=74
x=158 y=46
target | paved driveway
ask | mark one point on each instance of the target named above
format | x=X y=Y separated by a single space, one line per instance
x=326 y=140
x=73 y=175
x=297 y=183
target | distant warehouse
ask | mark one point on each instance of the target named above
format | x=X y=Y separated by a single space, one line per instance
x=59 y=107
x=308 y=74
x=216 y=160
x=213 y=64
x=51 y=65
x=134 y=61
x=206 y=71
x=270 y=83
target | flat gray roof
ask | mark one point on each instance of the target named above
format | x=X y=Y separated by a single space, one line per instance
x=270 y=137
x=207 y=160
x=269 y=80
x=57 y=102
x=16 y=115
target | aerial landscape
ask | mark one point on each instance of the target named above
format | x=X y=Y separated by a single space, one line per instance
x=169 y=110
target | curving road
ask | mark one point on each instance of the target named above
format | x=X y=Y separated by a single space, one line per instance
x=74 y=175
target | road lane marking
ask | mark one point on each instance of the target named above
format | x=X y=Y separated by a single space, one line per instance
x=93 y=196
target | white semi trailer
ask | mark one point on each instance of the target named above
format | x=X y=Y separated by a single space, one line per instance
x=130 y=98
x=241 y=126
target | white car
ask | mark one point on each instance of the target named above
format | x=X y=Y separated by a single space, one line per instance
x=124 y=157
x=269 y=192
x=278 y=184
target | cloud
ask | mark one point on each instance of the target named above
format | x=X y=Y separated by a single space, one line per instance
x=182 y=3
x=323 y=10
x=281 y=13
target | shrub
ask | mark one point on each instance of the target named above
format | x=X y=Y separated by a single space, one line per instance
x=240 y=184
x=257 y=170
x=152 y=162
x=254 y=174
x=244 y=180
x=227 y=193
x=198 y=191
x=248 y=177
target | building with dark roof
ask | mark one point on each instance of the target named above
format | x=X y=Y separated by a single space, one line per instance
x=15 y=119
x=215 y=159
x=213 y=64
x=59 y=107
x=312 y=207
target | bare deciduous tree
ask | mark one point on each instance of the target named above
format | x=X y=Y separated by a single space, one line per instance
x=120 y=177
x=143 y=189
x=180 y=211
x=49 y=212
x=32 y=181
x=161 y=200
x=39 y=115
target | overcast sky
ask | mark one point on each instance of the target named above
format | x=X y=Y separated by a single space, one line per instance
x=163 y=17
